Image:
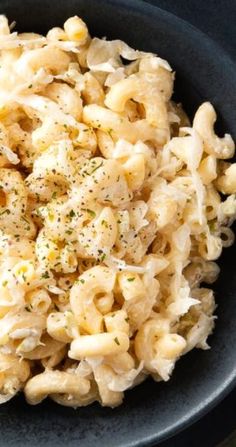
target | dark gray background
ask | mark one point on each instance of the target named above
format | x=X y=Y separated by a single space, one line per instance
x=216 y=18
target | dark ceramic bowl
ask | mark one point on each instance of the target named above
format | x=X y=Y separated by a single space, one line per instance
x=151 y=412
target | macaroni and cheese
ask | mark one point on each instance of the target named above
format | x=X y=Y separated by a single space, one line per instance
x=113 y=211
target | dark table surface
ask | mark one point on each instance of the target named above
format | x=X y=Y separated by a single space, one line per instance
x=217 y=19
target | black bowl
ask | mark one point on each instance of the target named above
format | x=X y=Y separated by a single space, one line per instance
x=151 y=412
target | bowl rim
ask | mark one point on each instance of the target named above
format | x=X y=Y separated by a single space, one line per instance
x=228 y=385
x=154 y=436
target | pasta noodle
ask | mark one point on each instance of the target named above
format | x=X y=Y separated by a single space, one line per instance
x=113 y=211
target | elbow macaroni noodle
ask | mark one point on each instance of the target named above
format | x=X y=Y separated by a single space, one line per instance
x=112 y=213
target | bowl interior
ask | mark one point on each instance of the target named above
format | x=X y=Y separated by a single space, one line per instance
x=151 y=411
